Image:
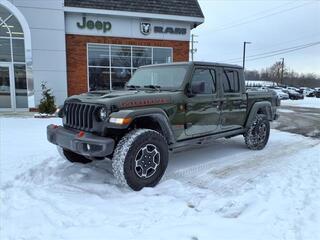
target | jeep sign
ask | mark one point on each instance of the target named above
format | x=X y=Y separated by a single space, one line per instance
x=90 y=24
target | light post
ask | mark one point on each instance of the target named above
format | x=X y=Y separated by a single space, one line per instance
x=282 y=69
x=244 y=54
x=193 y=50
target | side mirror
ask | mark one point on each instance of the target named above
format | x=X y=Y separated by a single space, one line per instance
x=188 y=91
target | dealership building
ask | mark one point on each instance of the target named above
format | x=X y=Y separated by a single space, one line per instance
x=76 y=46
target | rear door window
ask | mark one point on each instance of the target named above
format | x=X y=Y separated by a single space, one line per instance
x=230 y=81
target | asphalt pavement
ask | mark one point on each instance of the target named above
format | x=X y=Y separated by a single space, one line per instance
x=304 y=121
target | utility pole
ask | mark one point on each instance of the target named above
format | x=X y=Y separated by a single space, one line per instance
x=244 y=54
x=193 y=50
x=282 y=69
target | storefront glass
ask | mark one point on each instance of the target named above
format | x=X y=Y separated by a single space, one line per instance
x=111 y=66
x=13 y=84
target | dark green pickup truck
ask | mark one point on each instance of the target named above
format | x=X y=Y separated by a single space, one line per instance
x=163 y=108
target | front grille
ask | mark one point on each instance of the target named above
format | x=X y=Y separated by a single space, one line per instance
x=80 y=115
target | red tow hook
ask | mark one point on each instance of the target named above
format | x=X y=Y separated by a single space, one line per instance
x=81 y=134
x=54 y=126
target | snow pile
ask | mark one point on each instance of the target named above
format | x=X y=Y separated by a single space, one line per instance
x=221 y=191
x=306 y=102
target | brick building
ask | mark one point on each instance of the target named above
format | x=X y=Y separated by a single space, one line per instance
x=77 y=46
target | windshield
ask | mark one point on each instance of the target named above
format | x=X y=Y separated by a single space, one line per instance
x=167 y=77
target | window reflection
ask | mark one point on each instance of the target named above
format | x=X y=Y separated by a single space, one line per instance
x=121 y=56
x=13 y=56
x=5 y=50
x=120 y=76
x=98 y=55
x=162 y=55
x=141 y=56
x=21 y=86
x=99 y=79
x=15 y=27
x=5 y=99
x=18 y=50
x=124 y=62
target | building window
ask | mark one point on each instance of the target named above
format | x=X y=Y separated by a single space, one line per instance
x=12 y=56
x=111 y=66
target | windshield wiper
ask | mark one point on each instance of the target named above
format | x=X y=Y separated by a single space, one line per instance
x=133 y=87
x=157 y=87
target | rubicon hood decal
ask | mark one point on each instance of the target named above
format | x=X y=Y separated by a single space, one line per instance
x=144 y=102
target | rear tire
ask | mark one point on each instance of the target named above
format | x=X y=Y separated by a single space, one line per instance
x=257 y=135
x=73 y=157
x=140 y=159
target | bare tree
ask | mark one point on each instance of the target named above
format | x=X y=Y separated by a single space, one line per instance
x=290 y=77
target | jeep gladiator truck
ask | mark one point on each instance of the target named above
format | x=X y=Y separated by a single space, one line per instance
x=163 y=108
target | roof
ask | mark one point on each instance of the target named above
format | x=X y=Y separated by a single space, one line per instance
x=189 y=8
x=196 y=63
x=216 y=64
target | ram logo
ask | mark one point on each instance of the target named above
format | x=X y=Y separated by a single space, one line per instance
x=145 y=28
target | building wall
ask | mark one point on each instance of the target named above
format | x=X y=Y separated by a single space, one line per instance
x=46 y=21
x=125 y=27
x=58 y=53
x=76 y=46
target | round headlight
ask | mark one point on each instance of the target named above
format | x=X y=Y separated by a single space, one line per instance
x=103 y=114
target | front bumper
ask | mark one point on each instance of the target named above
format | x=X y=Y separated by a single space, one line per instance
x=82 y=143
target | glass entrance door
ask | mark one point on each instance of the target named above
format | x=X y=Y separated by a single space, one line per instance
x=6 y=88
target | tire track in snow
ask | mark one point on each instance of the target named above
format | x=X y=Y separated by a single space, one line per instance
x=238 y=172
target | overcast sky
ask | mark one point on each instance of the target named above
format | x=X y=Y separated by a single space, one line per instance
x=269 y=25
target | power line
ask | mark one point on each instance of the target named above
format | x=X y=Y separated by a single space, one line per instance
x=285 y=52
x=276 y=51
x=262 y=17
x=257 y=13
x=305 y=36
x=281 y=53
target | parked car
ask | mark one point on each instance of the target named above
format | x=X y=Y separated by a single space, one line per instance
x=294 y=95
x=164 y=108
x=281 y=94
x=308 y=92
x=294 y=89
x=317 y=92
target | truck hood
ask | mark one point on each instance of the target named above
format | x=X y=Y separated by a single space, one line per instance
x=126 y=98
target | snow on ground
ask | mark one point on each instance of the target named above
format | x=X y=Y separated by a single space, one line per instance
x=310 y=102
x=220 y=191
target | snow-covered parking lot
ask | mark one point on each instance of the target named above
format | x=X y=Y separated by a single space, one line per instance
x=308 y=102
x=220 y=191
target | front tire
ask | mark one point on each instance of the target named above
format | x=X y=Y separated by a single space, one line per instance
x=140 y=159
x=257 y=135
